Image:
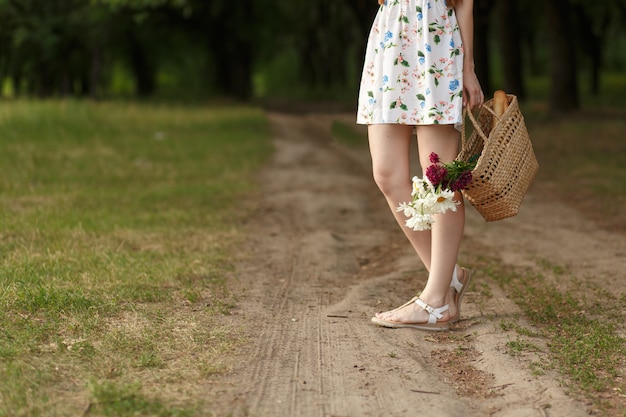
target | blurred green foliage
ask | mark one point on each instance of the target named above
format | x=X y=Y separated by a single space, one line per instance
x=279 y=48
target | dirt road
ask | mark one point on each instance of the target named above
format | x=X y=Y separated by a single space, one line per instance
x=325 y=254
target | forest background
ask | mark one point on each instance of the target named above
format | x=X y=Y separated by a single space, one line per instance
x=121 y=215
x=556 y=50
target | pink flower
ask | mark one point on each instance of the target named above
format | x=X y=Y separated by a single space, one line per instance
x=462 y=182
x=434 y=158
x=436 y=174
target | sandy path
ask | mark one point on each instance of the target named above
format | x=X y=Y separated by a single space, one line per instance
x=325 y=254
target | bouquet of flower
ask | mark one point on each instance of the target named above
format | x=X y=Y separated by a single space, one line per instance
x=434 y=194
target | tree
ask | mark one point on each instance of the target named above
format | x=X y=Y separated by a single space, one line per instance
x=594 y=22
x=563 y=65
x=61 y=47
x=507 y=14
x=482 y=26
x=46 y=44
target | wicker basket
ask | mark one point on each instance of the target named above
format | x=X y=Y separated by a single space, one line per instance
x=507 y=164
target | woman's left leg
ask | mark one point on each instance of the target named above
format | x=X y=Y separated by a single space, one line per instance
x=447 y=230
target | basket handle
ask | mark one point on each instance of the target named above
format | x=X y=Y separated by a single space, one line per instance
x=475 y=123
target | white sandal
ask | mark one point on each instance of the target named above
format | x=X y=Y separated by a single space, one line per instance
x=459 y=289
x=434 y=315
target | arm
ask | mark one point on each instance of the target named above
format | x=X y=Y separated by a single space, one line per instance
x=472 y=93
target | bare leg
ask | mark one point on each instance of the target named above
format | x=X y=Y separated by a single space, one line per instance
x=447 y=230
x=389 y=146
x=438 y=249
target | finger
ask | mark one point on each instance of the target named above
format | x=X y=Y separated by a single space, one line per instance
x=471 y=99
x=476 y=99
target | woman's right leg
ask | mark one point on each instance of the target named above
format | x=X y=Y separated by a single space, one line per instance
x=390 y=145
x=390 y=150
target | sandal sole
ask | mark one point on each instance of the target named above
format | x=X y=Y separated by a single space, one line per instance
x=458 y=298
x=437 y=327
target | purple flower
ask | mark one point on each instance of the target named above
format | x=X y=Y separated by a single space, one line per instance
x=436 y=174
x=434 y=158
x=462 y=182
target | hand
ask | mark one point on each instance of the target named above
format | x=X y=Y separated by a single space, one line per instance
x=472 y=93
x=381 y=2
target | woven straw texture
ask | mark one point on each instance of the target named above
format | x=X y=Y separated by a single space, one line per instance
x=507 y=164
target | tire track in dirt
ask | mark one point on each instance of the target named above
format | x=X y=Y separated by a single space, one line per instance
x=323 y=255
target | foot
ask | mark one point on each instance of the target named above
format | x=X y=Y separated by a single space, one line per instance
x=413 y=313
x=417 y=315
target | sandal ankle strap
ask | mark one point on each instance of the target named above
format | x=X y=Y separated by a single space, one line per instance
x=458 y=286
x=434 y=314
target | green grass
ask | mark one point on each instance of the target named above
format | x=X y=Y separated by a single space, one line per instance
x=117 y=226
x=348 y=134
x=518 y=346
x=582 y=336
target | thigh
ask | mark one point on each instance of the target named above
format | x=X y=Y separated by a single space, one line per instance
x=389 y=147
x=444 y=140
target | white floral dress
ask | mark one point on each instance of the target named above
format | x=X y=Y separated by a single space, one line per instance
x=413 y=68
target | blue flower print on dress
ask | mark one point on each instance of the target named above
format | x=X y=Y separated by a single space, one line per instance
x=421 y=57
x=413 y=65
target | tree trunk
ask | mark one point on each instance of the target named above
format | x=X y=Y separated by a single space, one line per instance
x=232 y=67
x=232 y=55
x=592 y=43
x=364 y=12
x=510 y=46
x=143 y=69
x=482 y=9
x=17 y=84
x=563 y=70
x=95 y=73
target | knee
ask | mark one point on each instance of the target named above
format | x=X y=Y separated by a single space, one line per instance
x=388 y=181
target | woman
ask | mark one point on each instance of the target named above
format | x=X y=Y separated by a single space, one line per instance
x=418 y=74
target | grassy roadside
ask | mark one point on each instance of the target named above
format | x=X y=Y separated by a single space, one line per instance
x=576 y=331
x=573 y=332
x=116 y=225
